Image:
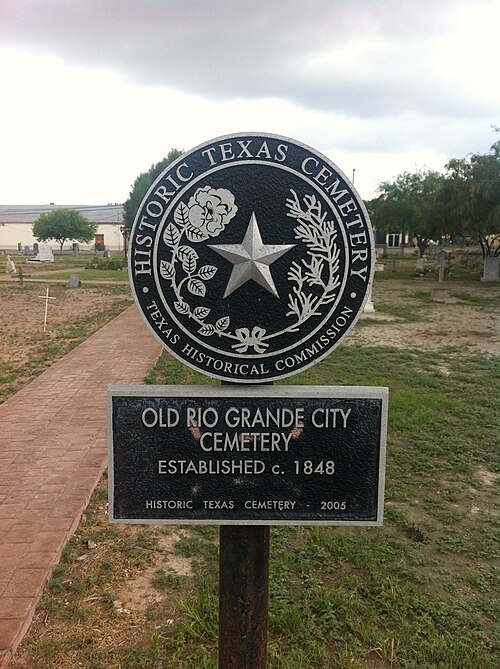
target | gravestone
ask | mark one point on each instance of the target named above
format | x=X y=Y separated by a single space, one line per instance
x=45 y=253
x=443 y=262
x=490 y=268
x=74 y=281
x=36 y=248
x=26 y=251
x=369 y=306
x=75 y=248
x=420 y=267
x=10 y=267
x=442 y=256
x=19 y=247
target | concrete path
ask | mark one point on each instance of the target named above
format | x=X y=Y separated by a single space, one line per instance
x=53 y=450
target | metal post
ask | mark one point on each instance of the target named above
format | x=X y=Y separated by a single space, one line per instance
x=243 y=596
x=125 y=242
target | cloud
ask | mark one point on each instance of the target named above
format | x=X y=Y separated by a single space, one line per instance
x=95 y=92
x=360 y=58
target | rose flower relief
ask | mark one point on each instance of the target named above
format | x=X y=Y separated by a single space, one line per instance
x=206 y=215
x=209 y=211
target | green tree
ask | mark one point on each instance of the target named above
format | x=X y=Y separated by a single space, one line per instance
x=392 y=210
x=472 y=195
x=63 y=224
x=141 y=186
x=412 y=205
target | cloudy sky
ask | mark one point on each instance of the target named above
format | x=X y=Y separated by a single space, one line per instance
x=92 y=92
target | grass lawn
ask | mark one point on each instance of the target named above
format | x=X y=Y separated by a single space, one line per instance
x=60 y=262
x=403 y=267
x=87 y=275
x=419 y=593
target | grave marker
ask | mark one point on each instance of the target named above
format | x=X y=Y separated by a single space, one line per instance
x=443 y=263
x=46 y=297
x=442 y=257
x=45 y=253
x=74 y=281
x=491 y=268
x=10 y=266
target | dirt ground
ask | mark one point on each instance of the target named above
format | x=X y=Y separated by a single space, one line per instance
x=23 y=313
x=25 y=349
x=438 y=318
x=447 y=315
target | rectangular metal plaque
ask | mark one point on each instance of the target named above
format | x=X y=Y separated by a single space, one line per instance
x=297 y=455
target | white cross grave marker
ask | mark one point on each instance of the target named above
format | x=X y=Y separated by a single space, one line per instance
x=46 y=297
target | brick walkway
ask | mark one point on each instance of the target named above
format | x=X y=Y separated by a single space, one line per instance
x=53 y=450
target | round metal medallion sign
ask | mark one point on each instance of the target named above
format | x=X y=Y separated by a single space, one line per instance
x=251 y=257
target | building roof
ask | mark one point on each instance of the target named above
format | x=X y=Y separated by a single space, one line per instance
x=25 y=213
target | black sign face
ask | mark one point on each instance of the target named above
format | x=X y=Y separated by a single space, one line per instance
x=251 y=257
x=289 y=455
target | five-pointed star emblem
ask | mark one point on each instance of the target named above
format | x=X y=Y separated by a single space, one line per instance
x=251 y=259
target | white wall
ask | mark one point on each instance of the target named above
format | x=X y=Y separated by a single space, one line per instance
x=12 y=233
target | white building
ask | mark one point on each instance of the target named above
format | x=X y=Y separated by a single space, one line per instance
x=16 y=223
